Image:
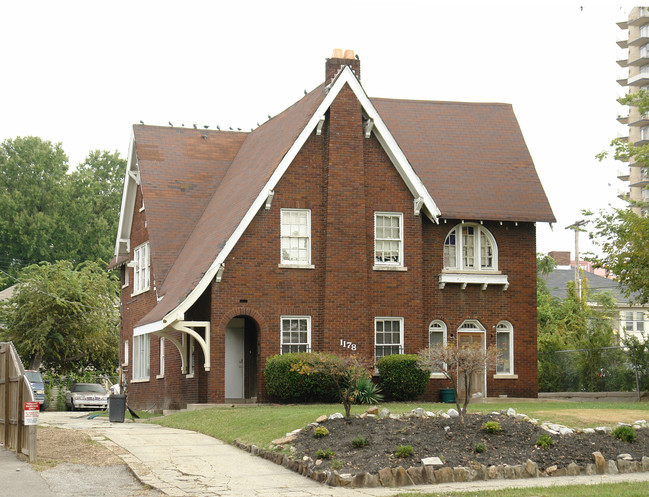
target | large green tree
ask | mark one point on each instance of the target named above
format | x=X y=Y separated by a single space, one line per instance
x=64 y=318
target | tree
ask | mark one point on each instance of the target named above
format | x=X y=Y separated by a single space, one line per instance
x=32 y=201
x=345 y=372
x=458 y=364
x=64 y=318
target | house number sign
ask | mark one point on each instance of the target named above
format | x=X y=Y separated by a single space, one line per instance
x=347 y=345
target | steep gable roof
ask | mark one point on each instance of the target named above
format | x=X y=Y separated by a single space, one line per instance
x=471 y=156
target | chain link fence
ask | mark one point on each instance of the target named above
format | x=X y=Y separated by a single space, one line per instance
x=608 y=369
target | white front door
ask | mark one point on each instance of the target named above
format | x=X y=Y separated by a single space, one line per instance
x=234 y=366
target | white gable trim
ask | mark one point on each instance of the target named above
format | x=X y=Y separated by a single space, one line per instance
x=389 y=144
x=131 y=182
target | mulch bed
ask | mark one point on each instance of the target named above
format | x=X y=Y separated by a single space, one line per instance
x=514 y=445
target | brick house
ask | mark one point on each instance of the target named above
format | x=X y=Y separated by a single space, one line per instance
x=345 y=222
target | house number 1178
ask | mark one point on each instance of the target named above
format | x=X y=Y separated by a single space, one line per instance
x=347 y=345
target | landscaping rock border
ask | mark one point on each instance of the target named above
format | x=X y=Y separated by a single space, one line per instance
x=423 y=475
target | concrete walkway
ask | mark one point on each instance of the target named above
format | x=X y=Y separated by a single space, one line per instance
x=185 y=463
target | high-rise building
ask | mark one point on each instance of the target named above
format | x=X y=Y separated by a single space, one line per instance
x=634 y=58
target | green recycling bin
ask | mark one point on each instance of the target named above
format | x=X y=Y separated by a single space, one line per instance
x=447 y=395
x=116 y=408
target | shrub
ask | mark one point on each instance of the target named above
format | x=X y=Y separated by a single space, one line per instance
x=401 y=377
x=284 y=384
x=404 y=451
x=336 y=464
x=545 y=441
x=624 y=433
x=479 y=447
x=324 y=454
x=360 y=442
x=368 y=392
x=491 y=427
x=320 y=432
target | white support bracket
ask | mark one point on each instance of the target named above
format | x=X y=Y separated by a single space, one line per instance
x=419 y=202
x=321 y=121
x=219 y=273
x=269 y=199
x=367 y=126
x=187 y=327
x=135 y=176
x=167 y=336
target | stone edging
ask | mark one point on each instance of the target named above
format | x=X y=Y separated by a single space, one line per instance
x=422 y=475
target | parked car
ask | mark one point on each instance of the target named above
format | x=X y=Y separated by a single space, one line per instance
x=86 y=396
x=38 y=387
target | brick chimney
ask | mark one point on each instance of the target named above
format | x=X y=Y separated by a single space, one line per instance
x=561 y=258
x=338 y=59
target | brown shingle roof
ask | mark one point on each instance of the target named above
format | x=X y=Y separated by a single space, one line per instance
x=255 y=161
x=471 y=157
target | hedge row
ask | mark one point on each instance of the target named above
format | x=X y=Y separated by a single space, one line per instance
x=401 y=378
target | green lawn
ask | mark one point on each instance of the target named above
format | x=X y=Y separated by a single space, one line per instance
x=262 y=424
x=632 y=489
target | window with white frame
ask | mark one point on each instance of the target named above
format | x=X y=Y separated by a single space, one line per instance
x=437 y=337
x=388 y=239
x=162 y=357
x=141 y=357
x=470 y=247
x=505 y=348
x=125 y=363
x=388 y=334
x=296 y=236
x=142 y=268
x=644 y=133
x=296 y=334
x=634 y=322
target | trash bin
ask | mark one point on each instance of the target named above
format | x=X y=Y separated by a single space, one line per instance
x=116 y=408
x=447 y=395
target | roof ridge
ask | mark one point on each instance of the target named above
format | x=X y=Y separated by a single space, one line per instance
x=440 y=102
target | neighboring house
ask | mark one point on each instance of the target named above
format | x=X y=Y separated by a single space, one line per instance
x=7 y=293
x=632 y=318
x=343 y=224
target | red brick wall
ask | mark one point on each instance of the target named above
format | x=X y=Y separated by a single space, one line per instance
x=344 y=179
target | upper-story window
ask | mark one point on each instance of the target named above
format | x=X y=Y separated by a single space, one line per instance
x=142 y=268
x=470 y=247
x=388 y=239
x=296 y=237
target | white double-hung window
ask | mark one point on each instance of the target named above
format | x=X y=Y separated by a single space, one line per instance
x=141 y=357
x=141 y=268
x=296 y=237
x=505 y=348
x=388 y=239
x=296 y=334
x=388 y=336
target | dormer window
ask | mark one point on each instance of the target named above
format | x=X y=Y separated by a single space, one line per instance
x=470 y=247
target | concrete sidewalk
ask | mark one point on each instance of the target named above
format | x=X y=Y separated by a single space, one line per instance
x=185 y=463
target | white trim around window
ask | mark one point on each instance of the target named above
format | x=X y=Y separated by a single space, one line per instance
x=388 y=241
x=295 y=334
x=470 y=247
x=141 y=268
x=437 y=336
x=388 y=336
x=505 y=347
x=161 y=345
x=141 y=357
x=295 y=238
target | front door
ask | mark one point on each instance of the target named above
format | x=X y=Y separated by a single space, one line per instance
x=234 y=363
x=478 y=378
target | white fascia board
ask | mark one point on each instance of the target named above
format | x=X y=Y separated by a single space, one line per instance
x=387 y=141
x=128 y=197
x=148 y=328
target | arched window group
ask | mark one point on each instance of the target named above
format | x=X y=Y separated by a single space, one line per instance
x=470 y=247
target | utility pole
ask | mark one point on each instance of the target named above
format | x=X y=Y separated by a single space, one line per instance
x=576 y=226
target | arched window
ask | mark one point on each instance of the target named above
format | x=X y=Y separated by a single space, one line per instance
x=470 y=247
x=505 y=346
x=437 y=334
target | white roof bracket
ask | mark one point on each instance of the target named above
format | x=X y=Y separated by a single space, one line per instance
x=269 y=199
x=419 y=202
x=219 y=273
x=367 y=126
x=321 y=121
x=135 y=176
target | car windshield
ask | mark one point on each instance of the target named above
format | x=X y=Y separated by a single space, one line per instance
x=88 y=387
x=34 y=376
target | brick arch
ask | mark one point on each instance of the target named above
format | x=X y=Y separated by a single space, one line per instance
x=242 y=311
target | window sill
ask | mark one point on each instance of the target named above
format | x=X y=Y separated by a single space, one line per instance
x=474 y=278
x=503 y=376
x=389 y=268
x=296 y=266
x=140 y=292
x=159 y=376
x=189 y=376
x=125 y=286
x=140 y=380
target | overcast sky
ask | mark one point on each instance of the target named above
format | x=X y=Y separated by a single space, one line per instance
x=81 y=73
